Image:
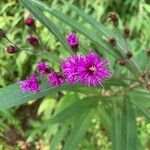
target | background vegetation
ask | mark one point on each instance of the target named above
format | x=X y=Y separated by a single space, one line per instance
x=27 y=126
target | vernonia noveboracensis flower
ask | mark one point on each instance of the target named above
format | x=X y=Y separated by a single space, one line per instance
x=70 y=68
x=72 y=40
x=55 y=79
x=43 y=68
x=31 y=84
x=92 y=70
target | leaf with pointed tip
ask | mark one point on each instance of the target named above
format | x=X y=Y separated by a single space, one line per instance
x=79 y=130
x=129 y=132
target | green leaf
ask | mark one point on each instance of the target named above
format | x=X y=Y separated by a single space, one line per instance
x=140 y=97
x=46 y=22
x=75 y=109
x=144 y=112
x=116 y=129
x=104 y=117
x=12 y=95
x=79 y=130
x=59 y=136
x=129 y=133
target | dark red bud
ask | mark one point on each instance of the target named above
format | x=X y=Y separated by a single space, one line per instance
x=114 y=18
x=2 y=33
x=126 y=32
x=121 y=62
x=11 y=49
x=129 y=55
x=33 y=40
x=29 y=22
x=148 y=52
x=112 y=41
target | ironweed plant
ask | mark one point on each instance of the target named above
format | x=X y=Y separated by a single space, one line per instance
x=106 y=79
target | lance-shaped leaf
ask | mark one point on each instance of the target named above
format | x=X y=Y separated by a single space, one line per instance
x=79 y=130
x=129 y=132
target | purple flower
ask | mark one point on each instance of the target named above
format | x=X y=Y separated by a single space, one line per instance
x=72 y=40
x=92 y=69
x=42 y=68
x=33 y=40
x=55 y=79
x=70 y=68
x=31 y=84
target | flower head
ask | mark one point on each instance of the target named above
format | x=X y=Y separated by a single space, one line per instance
x=92 y=69
x=72 y=40
x=70 y=68
x=33 y=40
x=55 y=79
x=42 y=68
x=29 y=21
x=31 y=84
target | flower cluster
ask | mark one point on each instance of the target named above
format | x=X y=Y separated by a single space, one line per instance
x=88 y=70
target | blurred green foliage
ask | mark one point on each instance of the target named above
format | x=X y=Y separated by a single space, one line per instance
x=25 y=127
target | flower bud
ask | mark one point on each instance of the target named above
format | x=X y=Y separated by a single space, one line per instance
x=129 y=55
x=29 y=22
x=114 y=18
x=2 y=33
x=126 y=32
x=33 y=40
x=143 y=75
x=112 y=41
x=148 y=52
x=121 y=62
x=11 y=49
x=148 y=86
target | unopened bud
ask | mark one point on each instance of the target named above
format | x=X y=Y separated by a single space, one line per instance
x=29 y=22
x=11 y=49
x=126 y=32
x=143 y=75
x=121 y=62
x=33 y=40
x=129 y=55
x=112 y=41
x=114 y=18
